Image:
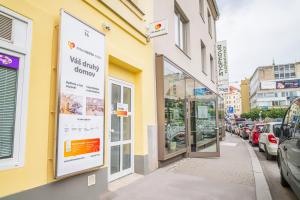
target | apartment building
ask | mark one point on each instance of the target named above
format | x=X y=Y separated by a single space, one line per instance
x=245 y=95
x=232 y=101
x=77 y=92
x=275 y=85
x=186 y=82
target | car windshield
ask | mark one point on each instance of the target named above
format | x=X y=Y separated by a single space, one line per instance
x=250 y=126
x=259 y=128
x=275 y=126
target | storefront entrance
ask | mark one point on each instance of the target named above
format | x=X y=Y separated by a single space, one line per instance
x=121 y=159
x=189 y=118
x=202 y=131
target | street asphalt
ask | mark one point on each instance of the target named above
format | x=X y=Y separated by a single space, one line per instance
x=272 y=175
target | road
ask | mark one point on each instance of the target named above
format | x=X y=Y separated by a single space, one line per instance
x=272 y=175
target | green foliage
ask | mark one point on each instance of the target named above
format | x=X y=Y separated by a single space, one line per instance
x=271 y=113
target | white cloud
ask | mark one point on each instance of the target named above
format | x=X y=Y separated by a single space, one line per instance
x=258 y=31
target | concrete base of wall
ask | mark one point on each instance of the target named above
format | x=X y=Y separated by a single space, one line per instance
x=141 y=164
x=75 y=188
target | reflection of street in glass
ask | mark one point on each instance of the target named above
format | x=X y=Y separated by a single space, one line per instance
x=94 y=106
x=71 y=104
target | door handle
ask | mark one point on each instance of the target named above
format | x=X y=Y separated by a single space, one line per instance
x=284 y=148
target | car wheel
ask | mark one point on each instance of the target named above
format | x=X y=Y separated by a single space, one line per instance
x=259 y=149
x=283 y=182
x=268 y=156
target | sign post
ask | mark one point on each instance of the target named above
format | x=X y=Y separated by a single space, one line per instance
x=80 y=126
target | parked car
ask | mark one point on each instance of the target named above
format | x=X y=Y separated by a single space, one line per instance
x=237 y=129
x=254 y=135
x=289 y=148
x=247 y=128
x=268 y=140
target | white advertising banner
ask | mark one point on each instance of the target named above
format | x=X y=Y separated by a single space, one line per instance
x=81 y=97
x=222 y=64
x=158 y=28
x=266 y=85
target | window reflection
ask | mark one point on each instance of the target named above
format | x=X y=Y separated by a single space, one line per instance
x=174 y=90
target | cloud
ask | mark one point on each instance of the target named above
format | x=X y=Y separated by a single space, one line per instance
x=258 y=31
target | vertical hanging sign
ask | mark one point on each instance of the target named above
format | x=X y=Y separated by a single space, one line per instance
x=222 y=67
x=80 y=96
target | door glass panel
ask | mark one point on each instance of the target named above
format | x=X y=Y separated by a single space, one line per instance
x=115 y=128
x=127 y=128
x=203 y=121
x=115 y=96
x=127 y=97
x=115 y=159
x=126 y=156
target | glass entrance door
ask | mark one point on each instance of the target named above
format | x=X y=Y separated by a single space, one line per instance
x=120 y=129
x=202 y=128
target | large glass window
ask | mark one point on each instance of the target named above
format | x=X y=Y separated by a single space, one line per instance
x=174 y=92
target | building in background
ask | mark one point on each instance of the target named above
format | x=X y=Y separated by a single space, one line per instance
x=186 y=79
x=275 y=85
x=29 y=47
x=245 y=95
x=232 y=101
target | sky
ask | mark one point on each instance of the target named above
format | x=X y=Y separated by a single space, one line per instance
x=258 y=31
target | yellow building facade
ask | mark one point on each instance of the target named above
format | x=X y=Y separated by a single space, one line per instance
x=245 y=95
x=129 y=63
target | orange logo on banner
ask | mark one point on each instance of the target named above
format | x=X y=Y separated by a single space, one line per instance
x=79 y=147
x=157 y=26
x=71 y=45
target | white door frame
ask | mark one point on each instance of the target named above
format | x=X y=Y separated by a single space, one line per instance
x=130 y=170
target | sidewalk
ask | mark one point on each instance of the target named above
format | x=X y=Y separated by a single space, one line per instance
x=229 y=177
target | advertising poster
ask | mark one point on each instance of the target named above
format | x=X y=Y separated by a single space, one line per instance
x=81 y=97
x=287 y=84
x=202 y=112
x=267 y=85
x=158 y=28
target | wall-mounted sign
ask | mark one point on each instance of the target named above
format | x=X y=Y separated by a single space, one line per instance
x=230 y=109
x=222 y=63
x=122 y=110
x=201 y=91
x=81 y=97
x=267 y=85
x=287 y=84
x=223 y=88
x=9 y=61
x=158 y=28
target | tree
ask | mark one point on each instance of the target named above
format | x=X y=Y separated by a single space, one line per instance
x=271 y=113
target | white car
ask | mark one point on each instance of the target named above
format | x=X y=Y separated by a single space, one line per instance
x=268 y=141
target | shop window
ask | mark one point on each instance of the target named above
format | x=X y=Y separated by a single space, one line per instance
x=14 y=75
x=174 y=95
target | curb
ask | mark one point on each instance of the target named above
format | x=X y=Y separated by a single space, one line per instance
x=261 y=186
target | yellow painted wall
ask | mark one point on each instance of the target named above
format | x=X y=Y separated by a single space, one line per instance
x=128 y=56
x=245 y=95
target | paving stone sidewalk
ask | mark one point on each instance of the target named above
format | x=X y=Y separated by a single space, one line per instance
x=229 y=177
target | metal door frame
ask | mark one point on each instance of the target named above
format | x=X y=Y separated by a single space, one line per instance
x=189 y=136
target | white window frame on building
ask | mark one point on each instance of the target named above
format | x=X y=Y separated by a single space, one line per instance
x=18 y=44
x=181 y=29
x=203 y=58
x=284 y=71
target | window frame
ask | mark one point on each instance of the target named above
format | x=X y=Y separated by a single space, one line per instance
x=203 y=58
x=18 y=157
x=201 y=9
x=181 y=28
x=209 y=20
